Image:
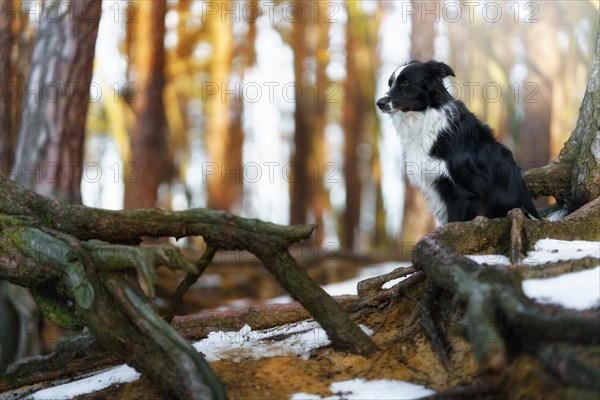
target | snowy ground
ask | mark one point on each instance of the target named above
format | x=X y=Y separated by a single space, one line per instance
x=359 y=389
x=121 y=374
x=292 y=339
x=578 y=290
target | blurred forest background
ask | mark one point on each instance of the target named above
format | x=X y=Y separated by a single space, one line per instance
x=267 y=109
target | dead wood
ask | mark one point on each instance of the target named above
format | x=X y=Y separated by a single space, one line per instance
x=379 y=296
x=373 y=285
x=51 y=243
x=84 y=353
x=189 y=280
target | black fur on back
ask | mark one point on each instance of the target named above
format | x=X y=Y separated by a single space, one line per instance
x=484 y=178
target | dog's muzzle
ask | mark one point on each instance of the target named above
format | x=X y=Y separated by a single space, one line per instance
x=385 y=104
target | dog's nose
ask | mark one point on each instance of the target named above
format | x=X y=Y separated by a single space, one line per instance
x=383 y=102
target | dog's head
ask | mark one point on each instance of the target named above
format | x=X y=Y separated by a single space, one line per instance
x=416 y=86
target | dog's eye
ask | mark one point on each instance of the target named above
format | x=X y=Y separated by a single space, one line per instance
x=404 y=83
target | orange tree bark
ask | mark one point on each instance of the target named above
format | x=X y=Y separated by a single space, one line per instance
x=9 y=133
x=358 y=114
x=224 y=183
x=144 y=173
x=304 y=123
x=320 y=197
x=307 y=193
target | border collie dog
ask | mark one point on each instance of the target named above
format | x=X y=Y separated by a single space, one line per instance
x=449 y=155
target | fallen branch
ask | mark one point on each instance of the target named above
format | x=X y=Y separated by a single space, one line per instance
x=89 y=273
x=84 y=353
x=374 y=285
x=189 y=280
x=376 y=298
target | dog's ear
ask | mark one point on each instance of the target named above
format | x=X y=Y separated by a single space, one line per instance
x=440 y=69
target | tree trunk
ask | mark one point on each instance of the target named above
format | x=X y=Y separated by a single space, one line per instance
x=308 y=195
x=144 y=173
x=304 y=123
x=379 y=236
x=320 y=198
x=11 y=297
x=224 y=184
x=358 y=115
x=8 y=135
x=49 y=154
x=352 y=129
x=16 y=43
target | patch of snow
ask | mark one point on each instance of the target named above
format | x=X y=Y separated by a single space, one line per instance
x=489 y=259
x=209 y=281
x=552 y=250
x=378 y=389
x=286 y=298
x=391 y=283
x=366 y=329
x=121 y=374
x=577 y=290
x=547 y=250
x=341 y=288
x=291 y=339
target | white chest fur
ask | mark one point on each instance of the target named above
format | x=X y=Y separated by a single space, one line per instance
x=418 y=132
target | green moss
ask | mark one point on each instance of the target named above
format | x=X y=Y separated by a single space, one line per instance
x=56 y=309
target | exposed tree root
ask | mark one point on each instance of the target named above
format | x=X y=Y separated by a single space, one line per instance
x=50 y=244
x=516 y=236
x=558 y=268
x=430 y=326
x=500 y=320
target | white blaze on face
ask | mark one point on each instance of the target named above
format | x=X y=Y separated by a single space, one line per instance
x=396 y=74
x=391 y=83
